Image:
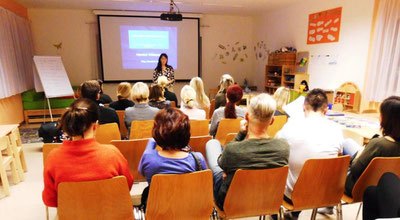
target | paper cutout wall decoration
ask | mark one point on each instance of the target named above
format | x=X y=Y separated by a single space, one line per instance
x=235 y=52
x=324 y=26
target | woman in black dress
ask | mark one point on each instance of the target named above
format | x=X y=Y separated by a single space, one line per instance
x=163 y=69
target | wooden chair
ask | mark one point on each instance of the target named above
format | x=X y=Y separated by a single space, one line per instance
x=207 y=110
x=279 y=122
x=255 y=193
x=198 y=144
x=173 y=104
x=353 y=135
x=212 y=107
x=369 y=111
x=47 y=148
x=181 y=196
x=107 y=199
x=132 y=151
x=7 y=160
x=18 y=155
x=141 y=129
x=337 y=107
x=225 y=127
x=320 y=184
x=199 y=127
x=18 y=141
x=122 y=127
x=107 y=132
x=230 y=137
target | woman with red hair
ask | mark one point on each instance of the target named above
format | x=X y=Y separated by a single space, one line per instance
x=234 y=95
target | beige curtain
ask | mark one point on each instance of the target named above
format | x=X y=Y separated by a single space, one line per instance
x=16 y=53
x=383 y=77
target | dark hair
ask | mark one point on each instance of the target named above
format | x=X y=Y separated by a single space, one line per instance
x=78 y=118
x=156 y=92
x=317 y=100
x=234 y=93
x=101 y=85
x=390 y=117
x=90 y=90
x=171 y=129
x=158 y=68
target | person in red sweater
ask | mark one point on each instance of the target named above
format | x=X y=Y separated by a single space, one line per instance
x=81 y=158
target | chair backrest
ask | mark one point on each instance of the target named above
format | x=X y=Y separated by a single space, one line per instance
x=107 y=132
x=181 y=196
x=353 y=135
x=4 y=144
x=107 y=199
x=207 y=110
x=369 y=111
x=212 y=107
x=173 y=104
x=255 y=192
x=132 y=151
x=279 y=122
x=47 y=148
x=199 y=127
x=122 y=127
x=230 y=137
x=227 y=126
x=371 y=175
x=337 y=107
x=198 y=144
x=320 y=183
x=141 y=129
x=17 y=135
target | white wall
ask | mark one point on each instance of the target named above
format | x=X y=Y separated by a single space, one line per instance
x=288 y=27
x=77 y=30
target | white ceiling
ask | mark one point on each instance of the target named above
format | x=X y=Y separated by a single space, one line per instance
x=245 y=7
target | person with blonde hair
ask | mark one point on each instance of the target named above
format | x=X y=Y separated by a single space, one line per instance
x=282 y=97
x=188 y=105
x=123 y=95
x=220 y=98
x=162 y=81
x=259 y=151
x=201 y=98
x=141 y=111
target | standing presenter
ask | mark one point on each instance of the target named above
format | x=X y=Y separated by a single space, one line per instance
x=163 y=69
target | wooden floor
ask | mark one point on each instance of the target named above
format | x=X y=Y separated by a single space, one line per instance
x=25 y=201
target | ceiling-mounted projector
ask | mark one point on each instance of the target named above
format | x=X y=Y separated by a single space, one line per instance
x=172 y=15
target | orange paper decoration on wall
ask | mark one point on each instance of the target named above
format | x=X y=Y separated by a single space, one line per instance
x=324 y=26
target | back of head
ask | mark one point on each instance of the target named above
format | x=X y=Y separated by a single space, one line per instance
x=225 y=82
x=262 y=108
x=197 y=84
x=156 y=93
x=78 y=118
x=171 y=129
x=390 y=117
x=101 y=85
x=234 y=94
x=90 y=90
x=316 y=101
x=162 y=81
x=124 y=90
x=140 y=92
x=188 y=96
x=281 y=96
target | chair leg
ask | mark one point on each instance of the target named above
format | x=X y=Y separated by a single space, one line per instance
x=359 y=209
x=23 y=161
x=4 y=180
x=14 y=171
x=314 y=214
x=281 y=215
x=339 y=211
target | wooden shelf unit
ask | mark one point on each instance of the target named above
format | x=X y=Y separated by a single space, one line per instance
x=277 y=76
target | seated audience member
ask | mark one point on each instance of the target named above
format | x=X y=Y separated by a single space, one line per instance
x=314 y=136
x=171 y=132
x=202 y=101
x=123 y=94
x=281 y=96
x=104 y=98
x=141 y=111
x=157 y=98
x=188 y=105
x=91 y=90
x=234 y=95
x=382 y=201
x=259 y=151
x=162 y=81
x=386 y=146
x=81 y=158
x=225 y=82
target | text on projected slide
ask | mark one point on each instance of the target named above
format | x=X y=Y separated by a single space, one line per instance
x=142 y=45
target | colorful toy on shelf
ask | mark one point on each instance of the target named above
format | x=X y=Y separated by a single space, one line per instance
x=349 y=96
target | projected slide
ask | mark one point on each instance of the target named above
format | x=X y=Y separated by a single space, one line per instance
x=142 y=45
